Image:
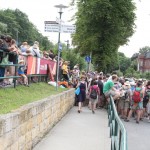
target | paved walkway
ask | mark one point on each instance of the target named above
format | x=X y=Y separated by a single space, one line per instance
x=138 y=135
x=84 y=131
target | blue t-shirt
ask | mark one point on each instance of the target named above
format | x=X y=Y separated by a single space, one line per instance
x=21 y=70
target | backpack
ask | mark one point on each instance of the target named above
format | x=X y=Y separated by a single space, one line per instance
x=147 y=95
x=136 y=97
x=93 y=94
x=126 y=95
x=100 y=85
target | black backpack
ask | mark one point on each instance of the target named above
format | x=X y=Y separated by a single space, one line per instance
x=100 y=85
x=126 y=95
x=93 y=94
x=146 y=97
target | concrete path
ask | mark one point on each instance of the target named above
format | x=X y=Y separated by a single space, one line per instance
x=84 y=131
x=138 y=135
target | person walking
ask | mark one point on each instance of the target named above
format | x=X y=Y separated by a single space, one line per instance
x=93 y=95
x=137 y=99
x=82 y=95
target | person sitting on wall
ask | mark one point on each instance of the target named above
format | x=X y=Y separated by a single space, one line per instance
x=109 y=88
x=24 y=48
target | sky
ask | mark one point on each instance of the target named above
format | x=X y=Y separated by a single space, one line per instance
x=39 y=11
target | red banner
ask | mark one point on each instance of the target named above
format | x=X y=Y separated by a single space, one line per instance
x=31 y=68
x=38 y=65
x=43 y=66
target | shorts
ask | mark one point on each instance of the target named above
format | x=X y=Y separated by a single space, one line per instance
x=108 y=93
x=137 y=106
x=126 y=105
x=93 y=101
x=140 y=105
x=121 y=104
x=144 y=104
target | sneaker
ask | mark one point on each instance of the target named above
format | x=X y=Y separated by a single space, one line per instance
x=141 y=119
x=93 y=111
x=78 y=111
x=99 y=107
x=137 y=122
x=126 y=120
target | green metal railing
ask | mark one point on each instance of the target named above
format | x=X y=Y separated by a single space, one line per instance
x=118 y=132
x=15 y=77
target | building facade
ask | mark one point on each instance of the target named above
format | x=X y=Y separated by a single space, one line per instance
x=144 y=62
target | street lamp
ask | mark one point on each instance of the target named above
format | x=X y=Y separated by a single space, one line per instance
x=15 y=29
x=60 y=7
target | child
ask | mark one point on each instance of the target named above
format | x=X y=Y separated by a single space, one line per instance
x=21 y=72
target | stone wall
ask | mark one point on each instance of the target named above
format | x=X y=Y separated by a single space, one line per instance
x=23 y=128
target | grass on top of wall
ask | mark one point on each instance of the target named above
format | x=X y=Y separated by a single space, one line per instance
x=13 y=98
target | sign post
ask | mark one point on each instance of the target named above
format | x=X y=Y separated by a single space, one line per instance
x=53 y=26
x=56 y=26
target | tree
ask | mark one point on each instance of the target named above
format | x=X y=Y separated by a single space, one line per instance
x=18 y=25
x=3 y=28
x=144 y=50
x=101 y=27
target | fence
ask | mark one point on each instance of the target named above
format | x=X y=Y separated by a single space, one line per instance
x=118 y=132
x=36 y=67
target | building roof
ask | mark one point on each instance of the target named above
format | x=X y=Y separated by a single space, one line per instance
x=147 y=55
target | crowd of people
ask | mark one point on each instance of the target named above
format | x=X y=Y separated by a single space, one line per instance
x=10 y=53
x=131 y=98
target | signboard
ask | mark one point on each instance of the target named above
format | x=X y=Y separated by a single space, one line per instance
x=50 y=22
x=60 y=47
x=68 y=28
x=53 y=26
x=88 y=59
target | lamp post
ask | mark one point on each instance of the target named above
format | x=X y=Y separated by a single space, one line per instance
x=16 y=30
x=60 y=7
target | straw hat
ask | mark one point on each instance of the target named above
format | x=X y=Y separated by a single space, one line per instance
x=127 y=83
x=24 y=43
x=66 y=62
x=35 y=46
x=36 y=42
x=75 y=67
x=20 y=61
x=46 y=53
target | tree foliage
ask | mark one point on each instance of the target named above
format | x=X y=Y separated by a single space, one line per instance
x=101 y=27
x=16 y=23
x=144 y=50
